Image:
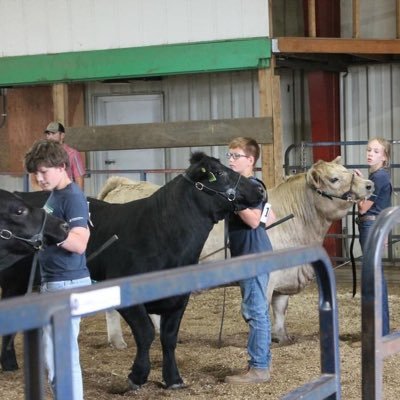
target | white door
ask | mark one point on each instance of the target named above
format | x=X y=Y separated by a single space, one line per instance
x=129 y=109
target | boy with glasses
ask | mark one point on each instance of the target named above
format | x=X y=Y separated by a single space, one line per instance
x=248 y=236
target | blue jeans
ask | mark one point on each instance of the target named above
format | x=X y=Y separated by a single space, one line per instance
x=48 y=338
x=255 y=312
x=364 y=229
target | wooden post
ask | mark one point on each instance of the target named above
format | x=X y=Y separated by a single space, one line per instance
x=60 y=103
x=356 y=19
x=269 y=94
x=398 y=19
x=312 y=27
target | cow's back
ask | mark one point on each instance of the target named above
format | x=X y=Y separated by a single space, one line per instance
x=119 y=189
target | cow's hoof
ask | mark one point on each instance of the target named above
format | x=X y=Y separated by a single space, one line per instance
x=118 y=344
x=133 y=386
x=283 y=341
x=9 y=366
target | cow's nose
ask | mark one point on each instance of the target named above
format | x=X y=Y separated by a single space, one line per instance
x=65 y=227
x=369 y=187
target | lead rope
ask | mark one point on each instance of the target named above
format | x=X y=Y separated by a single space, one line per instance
x=353 y=261
x=33 y=273
x=226 y=246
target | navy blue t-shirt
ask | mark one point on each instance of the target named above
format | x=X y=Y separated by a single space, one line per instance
x=56 y=263
x=245 y=240
x=382 y=193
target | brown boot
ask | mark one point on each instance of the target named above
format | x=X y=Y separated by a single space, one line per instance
x=252 y=375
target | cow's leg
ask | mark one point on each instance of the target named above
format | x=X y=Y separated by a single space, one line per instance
x=8 y=358
x=170 y=324
x=279 y=304
x=114 y=330
x=143 y=331
x=155 y=319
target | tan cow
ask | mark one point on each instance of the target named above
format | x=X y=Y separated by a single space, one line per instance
x=317 y=198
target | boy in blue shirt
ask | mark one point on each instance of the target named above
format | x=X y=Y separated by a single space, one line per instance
x=248 y=236
x=62 y=266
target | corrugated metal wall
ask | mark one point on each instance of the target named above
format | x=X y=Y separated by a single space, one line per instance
x=188 y=97
x=371 y=107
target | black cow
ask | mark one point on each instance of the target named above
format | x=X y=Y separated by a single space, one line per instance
x=165 y=230
x=24 y=229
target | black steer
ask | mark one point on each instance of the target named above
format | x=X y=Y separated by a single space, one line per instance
x=24 y=229
x=163 y=231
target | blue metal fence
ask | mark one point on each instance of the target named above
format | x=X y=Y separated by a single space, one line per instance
x=375 y=347
x=30 y=313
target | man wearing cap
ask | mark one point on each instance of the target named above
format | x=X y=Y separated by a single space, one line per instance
x=56 y=131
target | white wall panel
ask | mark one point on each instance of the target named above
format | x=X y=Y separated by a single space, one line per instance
x=55 y=26
x=12 y=39
x=202 y=19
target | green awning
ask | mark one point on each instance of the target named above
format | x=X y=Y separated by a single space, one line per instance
x=150 y=61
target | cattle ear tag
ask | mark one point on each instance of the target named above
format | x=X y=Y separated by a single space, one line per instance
x=211 y=177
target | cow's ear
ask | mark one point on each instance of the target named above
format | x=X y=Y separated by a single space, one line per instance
x=337 y=160
x=313 y=178
x=196 y=157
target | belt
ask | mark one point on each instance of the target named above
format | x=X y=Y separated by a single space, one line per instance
x=363 y=218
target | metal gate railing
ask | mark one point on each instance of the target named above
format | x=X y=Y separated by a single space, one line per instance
x=375 y=347
x=30 y=313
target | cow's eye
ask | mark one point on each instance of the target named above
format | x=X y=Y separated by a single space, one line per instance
x=21 y=211
x=334 y=180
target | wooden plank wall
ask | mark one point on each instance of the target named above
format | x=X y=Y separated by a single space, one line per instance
x=29 y=110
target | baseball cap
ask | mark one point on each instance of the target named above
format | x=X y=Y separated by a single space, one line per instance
x=54 y=127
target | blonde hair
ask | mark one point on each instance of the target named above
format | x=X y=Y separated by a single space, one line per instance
x=386 y=149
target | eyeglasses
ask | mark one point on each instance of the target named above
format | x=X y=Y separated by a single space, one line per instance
x=235 y=156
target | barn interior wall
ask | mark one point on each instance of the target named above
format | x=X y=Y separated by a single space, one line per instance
x=188 y=98
x=377 y=19
x=370 y=104
x=29 y=109
x=287 y=18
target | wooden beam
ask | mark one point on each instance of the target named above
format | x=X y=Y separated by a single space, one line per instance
x=335 y=45
x=277 y=128
x=60 y=103
x=312 y=27
x=398 y=19
x=168 y=135
x=356 y=19
x=269 y=94
x=267 y=150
